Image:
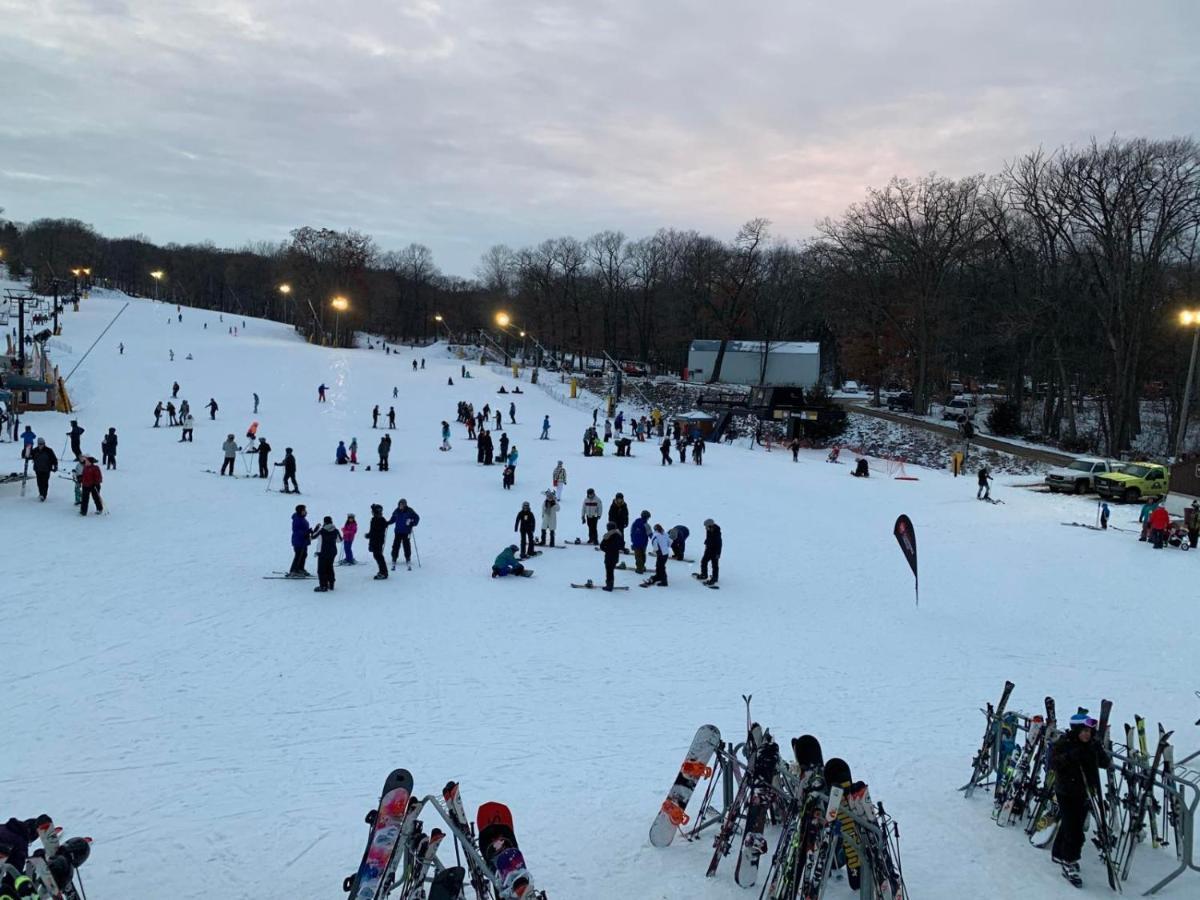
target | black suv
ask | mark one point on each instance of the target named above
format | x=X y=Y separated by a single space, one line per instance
x=902 y=402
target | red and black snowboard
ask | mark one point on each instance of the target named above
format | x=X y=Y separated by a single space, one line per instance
x=498 y=845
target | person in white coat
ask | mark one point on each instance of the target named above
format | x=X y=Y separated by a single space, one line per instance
x=660 y=543
x=593 y=509
x=231 y=450
x=559 y=479
x=549 y=517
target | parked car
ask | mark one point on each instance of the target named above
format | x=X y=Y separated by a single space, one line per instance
x=1080 y=476
x=901 y=402
x=633 y=369
x=594 y=372
x=1134 y=481
x=850 y=387
x=956 y=388
x=959 y=406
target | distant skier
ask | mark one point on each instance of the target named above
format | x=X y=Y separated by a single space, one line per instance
x=612 y=545
x=405 y=520
x=794 y=446
x=513 y=456
x=499 y=420
x=289 y=471
x=385 y=449
x=508 y=477
x=75 y=435
x=189 y=426
x=984 y=480
x=660 y=544
x=559 y=479
x=375 y=416
x=376 y=537
x=44 y=462
x=264 y=454
x=422 y=362
x=1104 y=519
x=391 y=417
x=27 y=439
x=108 y=449
x=506 y=563
x=665 y=449
x=590 y=514
x=678 y=535
x=212 y=408
x=256 y=404
x=414 y=365
x=175 y=390
x=512 y=413
x=301 y=537
x=349 y=530
x=321 y=393
x=171 y=420
x=445 y=435
x=639 y=539
x=158 y=411
x=524 y=525
x=341 y=455
x=230 y=449
x=712 y=552
x=549 y=517
x=353 y=455
x=545 y=429
x=90 y=482
x=395 y=392
x=504 y=445
x=618 y=513
x=1076 y=760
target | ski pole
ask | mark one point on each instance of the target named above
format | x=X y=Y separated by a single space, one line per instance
x=270 y=478
x=416 y=551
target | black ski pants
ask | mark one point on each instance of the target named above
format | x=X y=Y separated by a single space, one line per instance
x=1072 y=811
x=292 y=479
x=325 y=571
x=262 y=467
x=299 y=558
x=227 y=464
x=660 y=569
x=43 y=483
x=715 y=560
x=109 y=458
x=593 y=537
x=526 y=543
x=405 y=541
x=610 y=566
x=666 y=458
x=92 y=491
x=380 y=560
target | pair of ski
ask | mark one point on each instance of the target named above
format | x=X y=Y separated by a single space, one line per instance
x=1141 y=801
x=53 y=866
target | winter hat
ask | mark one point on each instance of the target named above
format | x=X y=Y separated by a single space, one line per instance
x=349 y=515
x=1083 y=720
x=328 y=520
x=514 y=548
x=645 y=513
x=708 y=523
x=525 y=505
x=375 y=507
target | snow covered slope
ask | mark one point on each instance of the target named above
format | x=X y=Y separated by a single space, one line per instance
x=216 y=732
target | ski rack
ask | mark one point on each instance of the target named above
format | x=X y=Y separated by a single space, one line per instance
x=730 y=771
x=1179 y=784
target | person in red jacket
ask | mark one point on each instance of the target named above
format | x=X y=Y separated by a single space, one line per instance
x=1160 y=521
x=90 y=481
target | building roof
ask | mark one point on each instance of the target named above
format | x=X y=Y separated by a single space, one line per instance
x=695 y=415
x=782 y=347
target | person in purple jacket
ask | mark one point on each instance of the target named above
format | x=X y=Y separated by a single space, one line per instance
x=301 y=537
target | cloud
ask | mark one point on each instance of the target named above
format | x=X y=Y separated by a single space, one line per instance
x=462 y=124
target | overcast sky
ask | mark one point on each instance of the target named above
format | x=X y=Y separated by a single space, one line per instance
x=462 y=123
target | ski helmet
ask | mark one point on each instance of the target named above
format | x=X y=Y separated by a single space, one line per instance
x=1083 y=720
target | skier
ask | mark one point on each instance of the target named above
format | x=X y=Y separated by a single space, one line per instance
x=422 y=362
x=1076 y=761
x=301 y=536
x=385 y=448
x=1104 y=518
x=171 y=420
x=549 y=517
x=121 y=348
x=90 y=482
x=512 y=413
x=618 y=513
x=175 y=390
x=340 y=455
x=108 y=449
x=212 y=408
x=184 y=409
x=661 y=545
x=44 y=462
x=353 y=454
x=391 y=417
x=27 y=439
x=508 y=477
x=506 y=563
x=264 y=452
x=445 y=435
x=405 y=520
x=231 y=450
x=189 y=425
x=289 y=471
x=75 y=434
x=489 y=447
x=698 y=452
x=376 y=536
x=504 y=445
x=499 y=420
x=375 y=416
x=545 y=429
x=256 y=404
x=414 y=365
x=349 y=530
x=794 y=446
x=665 y=448
x=326 y=554
x=984 y=480
x=612 y=545
x=158 y=411
x=834 y=452
x=524 y=526
x=513 y=456
x=1160 y=521
x=678 y=535
x=712 y=552
x=639 y=539
x=590 y=514
x=559 y=479
x=395 y=392
x=321 y=393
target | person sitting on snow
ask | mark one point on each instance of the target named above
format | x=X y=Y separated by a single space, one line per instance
x=341 y=455
x=507 y=563
x=861 y=469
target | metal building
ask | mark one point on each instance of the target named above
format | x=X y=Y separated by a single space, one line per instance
x=786 y=362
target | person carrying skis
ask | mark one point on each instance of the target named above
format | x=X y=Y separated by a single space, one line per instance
x=678 y=535
x=301 y=537
x=524 y=525
x=321 y=393
x=445 y=435
x=639 y=539
x=559 y=479
x=1076 y=759
x=212 y=408
x=618 y=513
x=590 y=514
x=405 y=520
x=354 y=451
x=326 y=554
x=985 y=484
x=75 y=434
x=230 y=448
x=44 y=462
x=375 y=416
x=289 y=471
x=512 y=413
x=545 y=429
x=712 y=552
x=90 y=482
x=27 y=439
x=612 y=544
x=506 y=563
x=376 y=537
x=189 y=425
x=391 y=417
x=549 y=517
x=661 y=545
x=108 y=449
x=341 y=456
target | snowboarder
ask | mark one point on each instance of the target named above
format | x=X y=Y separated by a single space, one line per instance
x=712 y=552
x=158 y=411
x=512 y=413
x=590 y=514
x=90 y=482
x=321 y=393
x=506 y=563
x=1076 y=760
x=612 y=545
x=212 y=408
x=861 y=468
x=326 y=554
x=189 y=425
x=289 y=471
x=256 y=404
x=353 y=458
x=639 y=539
x=184 y=409
x=385 y=448
x=559 y=479
x=341 y=455
x=405 y=520
x=391 y=417
x=661 y=545
x=985 y=484
x=376 y=536
x=414 y=365
x=445 y=435
x=375 y=416
x=175 y=390
x=121 y=348
x=349 y=530
x=108 y=449
x=44 y=462
x=618 y=513
x=665 y=448
x=545 y=429
x=524 y=526
x=678 y=535
x=75 y=434
x=264 y=453
x=549 y=517
x=230 y=448
x=301 y=537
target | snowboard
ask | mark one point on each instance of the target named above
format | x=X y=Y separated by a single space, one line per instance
x=754 y=845
x=386 y=823
x=589 y=586
x=837 y=775
x=286 y=577
x=498 y=844
x=672 y=816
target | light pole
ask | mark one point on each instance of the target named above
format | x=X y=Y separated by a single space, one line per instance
x=1192 y=318
x=157 y=275
x=441 y=321
x=340 y=304
x=502 y=319
x=286 y=290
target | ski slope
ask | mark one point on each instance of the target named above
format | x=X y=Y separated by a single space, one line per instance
x=217 y=732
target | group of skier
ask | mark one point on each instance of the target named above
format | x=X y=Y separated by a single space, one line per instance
x=86 y=473
x=404 y=519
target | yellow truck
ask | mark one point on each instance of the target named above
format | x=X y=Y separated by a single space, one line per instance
x=1135 y=481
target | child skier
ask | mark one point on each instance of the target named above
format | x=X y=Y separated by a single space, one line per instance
x=349 y=530
x=985 y=484
x=1104 y=518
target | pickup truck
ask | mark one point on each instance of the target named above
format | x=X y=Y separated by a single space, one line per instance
x=1080 y=476
x=1134 y=481
x=959 y=406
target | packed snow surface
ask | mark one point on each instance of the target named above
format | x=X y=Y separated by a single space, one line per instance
x=211 y=728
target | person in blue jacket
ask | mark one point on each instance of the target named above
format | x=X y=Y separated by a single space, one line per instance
x=405 y=519
x=545 y=429
x=639 y=538
x=27 y=439
x=342 y=455
x=678 y=535
x=301 y=537
x=507 y=563
x=512 y=456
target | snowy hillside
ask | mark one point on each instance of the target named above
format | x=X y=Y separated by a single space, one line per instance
x=217 y=733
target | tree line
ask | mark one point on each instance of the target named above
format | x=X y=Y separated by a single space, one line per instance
x=1058 y=278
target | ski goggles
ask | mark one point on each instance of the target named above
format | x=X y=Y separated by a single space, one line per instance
x=1082 y=721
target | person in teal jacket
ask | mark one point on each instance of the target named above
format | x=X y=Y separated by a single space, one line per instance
x=507 y=563
x=1144 y=517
